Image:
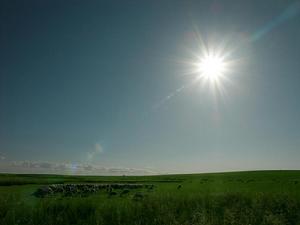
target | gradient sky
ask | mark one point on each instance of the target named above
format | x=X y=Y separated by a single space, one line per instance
x=85 y=83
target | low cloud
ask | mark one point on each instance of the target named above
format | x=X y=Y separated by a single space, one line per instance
x=69 y=168
x=2 y=156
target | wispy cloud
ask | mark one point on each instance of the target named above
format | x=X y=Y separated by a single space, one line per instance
x=2 y=156
x=97 y=149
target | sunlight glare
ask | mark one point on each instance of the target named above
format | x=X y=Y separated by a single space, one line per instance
x=211 y=67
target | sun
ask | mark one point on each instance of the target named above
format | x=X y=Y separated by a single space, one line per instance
x=211 y=67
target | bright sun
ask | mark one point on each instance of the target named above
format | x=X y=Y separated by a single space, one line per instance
x=211 y=67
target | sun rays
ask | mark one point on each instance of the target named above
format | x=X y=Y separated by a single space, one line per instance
x=210 y=66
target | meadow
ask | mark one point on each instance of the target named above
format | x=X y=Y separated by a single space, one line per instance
x=248 y=198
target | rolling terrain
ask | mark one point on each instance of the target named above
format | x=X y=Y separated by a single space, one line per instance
x=254 y=197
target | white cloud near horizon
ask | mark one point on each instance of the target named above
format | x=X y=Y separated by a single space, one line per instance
x=69 y=168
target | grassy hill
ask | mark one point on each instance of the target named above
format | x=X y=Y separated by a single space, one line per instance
x=253 y=197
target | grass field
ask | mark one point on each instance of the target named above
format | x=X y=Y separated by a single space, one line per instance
x=261 y=197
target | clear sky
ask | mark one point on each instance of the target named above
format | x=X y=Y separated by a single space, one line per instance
x=101 y=87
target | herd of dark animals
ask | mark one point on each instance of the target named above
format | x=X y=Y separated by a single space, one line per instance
x=86 y=189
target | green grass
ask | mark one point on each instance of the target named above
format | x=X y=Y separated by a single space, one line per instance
x=262 y=197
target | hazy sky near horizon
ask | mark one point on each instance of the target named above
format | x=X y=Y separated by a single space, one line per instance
x=88 y=86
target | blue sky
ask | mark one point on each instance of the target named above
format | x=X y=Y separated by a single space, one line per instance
x=87 y=84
